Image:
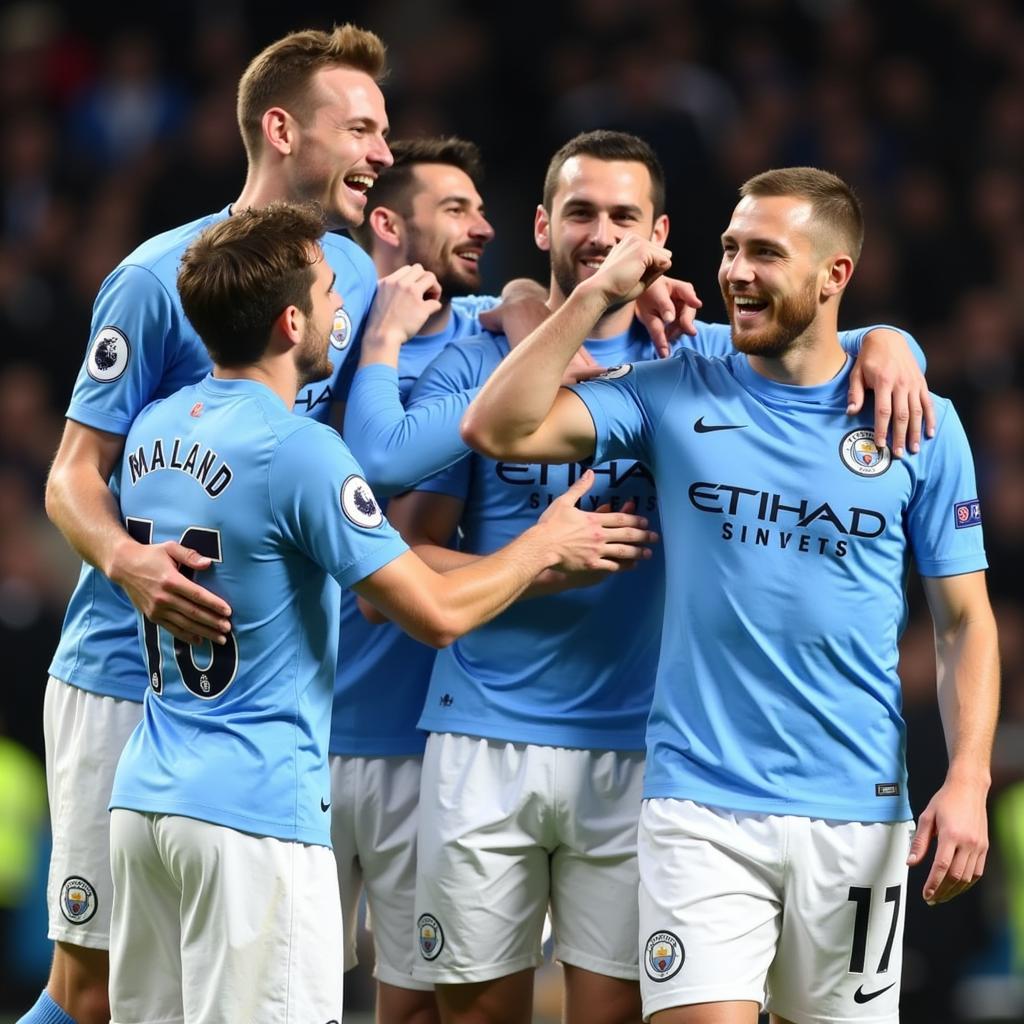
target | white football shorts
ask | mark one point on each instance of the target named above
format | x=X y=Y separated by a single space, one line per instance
x=374 y=802
x=509 y=830
x=210 y=924
x=84 y=735
x=800 y=915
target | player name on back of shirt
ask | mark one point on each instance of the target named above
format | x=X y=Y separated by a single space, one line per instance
x=198 y=461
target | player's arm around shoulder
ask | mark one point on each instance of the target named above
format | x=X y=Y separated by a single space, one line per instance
x=967 y=671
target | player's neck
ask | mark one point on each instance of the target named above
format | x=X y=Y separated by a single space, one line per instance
x=616 y=321
x=281 y=379
x=814 y=358
x=437 y=322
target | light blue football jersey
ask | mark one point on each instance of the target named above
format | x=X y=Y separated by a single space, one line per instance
x=787 y=537
x=144 y=348
x=239 y=737
x=383 y=660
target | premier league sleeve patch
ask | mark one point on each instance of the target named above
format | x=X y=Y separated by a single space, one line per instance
x=615 y=372
x=109 y=355
x=359 y=504
x=967 y=513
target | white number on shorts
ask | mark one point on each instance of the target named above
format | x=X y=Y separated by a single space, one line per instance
x=215 y=678
x=861 y=895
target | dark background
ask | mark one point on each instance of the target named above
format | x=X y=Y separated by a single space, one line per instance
x=117 y=127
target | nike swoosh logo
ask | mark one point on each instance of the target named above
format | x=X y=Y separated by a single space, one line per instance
x=706 y=428
x=860 y=996
x=324 y=807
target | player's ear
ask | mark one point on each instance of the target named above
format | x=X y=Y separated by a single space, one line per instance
x=660 y=233
x=278 y=130
x=387 y=226
x=542 y=229
x=838 y=271
x=289 y=326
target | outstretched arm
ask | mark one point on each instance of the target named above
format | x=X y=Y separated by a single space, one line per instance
x=967 y=667
x=437 y=608
x=520 y=412
x=81 y=505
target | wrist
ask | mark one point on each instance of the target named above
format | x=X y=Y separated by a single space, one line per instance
x=592 y=297
x=118 y=554
x=541 y=549
x=971 y=775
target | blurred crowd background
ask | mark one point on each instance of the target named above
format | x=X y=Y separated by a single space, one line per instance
x=115 y=129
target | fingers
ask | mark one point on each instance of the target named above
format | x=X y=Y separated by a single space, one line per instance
x=204 y=599
x=883 y=414
x=579 y=488
x=656 y=329
x=855 y=397
x=900 y=421
x=187 y=629
x=922 y=838
x=929 y=413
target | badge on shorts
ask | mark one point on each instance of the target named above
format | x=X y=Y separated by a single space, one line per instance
x=431 y=938
x=664 y=956
x=77 y=900
x=109 y=355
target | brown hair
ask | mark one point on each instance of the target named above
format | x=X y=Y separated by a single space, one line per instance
x=238 y=276
x=833 y=201
x=280 y=74
x=393 y=188
x=607 y=145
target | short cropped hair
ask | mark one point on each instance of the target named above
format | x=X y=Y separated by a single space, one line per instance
x=608 y=145
x=394 y=187
x=280 y=74
x=240 y=274
x=833 y=202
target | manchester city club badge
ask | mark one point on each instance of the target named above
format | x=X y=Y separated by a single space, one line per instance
x=77 y=900
x=663 y=956
x=430 y=936
x=861 y=455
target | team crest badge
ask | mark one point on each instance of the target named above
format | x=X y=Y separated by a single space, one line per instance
x=109 y=355
x=77 y=900
x=664 y=956
x=359 y=504
x=341 y=332
x=614 y=372
x=862 y=456
x=430 y=936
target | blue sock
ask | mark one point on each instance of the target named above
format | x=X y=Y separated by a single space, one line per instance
x=46 y=1011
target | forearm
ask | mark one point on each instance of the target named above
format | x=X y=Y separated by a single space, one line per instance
x=519 y=394
x=967 y=667
x=479 y=590
x=397 y=447
x=80 y=504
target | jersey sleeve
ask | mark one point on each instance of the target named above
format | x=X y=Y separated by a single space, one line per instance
x=853 y=342
x=398 y=447
x=711 y=340
x=944 y=515
x=323 y=506
x=626 y=405
x=454 y=377
x=471 y=306
x=132 y=344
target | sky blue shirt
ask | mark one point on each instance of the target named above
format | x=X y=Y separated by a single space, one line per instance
x=144 y=348
x=787 y=538
x=382 y=677
x=240 y=738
